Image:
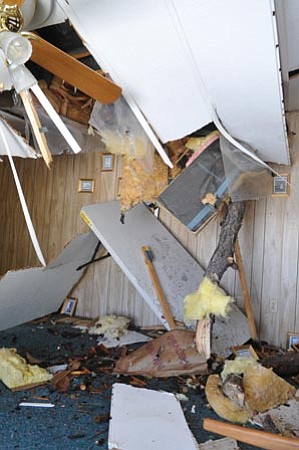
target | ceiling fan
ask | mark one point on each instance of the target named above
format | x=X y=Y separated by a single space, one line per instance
x=18 y=46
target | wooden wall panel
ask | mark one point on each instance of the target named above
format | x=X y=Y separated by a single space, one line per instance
x=269 y=240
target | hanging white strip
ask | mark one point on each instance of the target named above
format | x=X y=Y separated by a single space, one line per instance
x=55 y=117
x=23 y=202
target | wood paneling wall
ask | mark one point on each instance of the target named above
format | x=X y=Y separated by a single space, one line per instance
x=269 y=240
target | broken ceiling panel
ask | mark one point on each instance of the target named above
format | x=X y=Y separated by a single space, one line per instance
x=17 y=145
x=153 y=50
x=31 y=293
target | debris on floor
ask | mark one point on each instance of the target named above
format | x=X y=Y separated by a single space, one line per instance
x=143 y=418
x=260 y=389
x=172 y=354
x=282 y=420
x=110 y=326
x=220 y=444
x=16 y=372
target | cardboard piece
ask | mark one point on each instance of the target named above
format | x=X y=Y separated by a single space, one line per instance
x=172 y=354
x=31 y=293
x=147 y=420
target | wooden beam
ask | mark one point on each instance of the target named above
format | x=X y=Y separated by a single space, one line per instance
x=260 y=439
x=157 y=286
x=36 y=126
x=246 y=296
x=73 y=71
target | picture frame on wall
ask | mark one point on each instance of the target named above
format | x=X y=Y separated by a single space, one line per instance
x=86 y=185
x=245 y=351
x=281 y=185
x=292 y=340
x=69 y=306
x=107 y=162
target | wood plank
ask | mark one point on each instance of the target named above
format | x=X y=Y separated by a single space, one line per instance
x=75 y=73
x=258 y=438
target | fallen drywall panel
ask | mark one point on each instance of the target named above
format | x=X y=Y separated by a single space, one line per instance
x=229 y=331
x=178 y=272
x=147 y=420
x=203 y=53
x=31 y=293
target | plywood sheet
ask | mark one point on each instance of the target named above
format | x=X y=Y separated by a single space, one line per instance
x=31 y=293
x=151 y=420
x=199 y=56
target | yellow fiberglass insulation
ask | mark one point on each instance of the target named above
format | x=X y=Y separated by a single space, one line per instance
x=15 y=372
x=142 y=182
x=237 y=366
x=222 y=405
x=264 y=389
x=208 y=299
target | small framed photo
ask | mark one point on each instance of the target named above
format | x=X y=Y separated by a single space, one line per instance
x=292 y=340
x=69 y=306
x=107 y=162
x=245 y=351
x=281 y=185
x=85 y=185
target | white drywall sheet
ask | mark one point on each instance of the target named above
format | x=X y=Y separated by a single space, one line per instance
x=180 y=58
x=31 y=293
x=147 y=420
x=178 y=272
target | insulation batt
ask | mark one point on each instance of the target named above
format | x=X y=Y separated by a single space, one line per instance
x=208 y=299
x=15 y=372
x=263 y=390
x=110 y=326
x=142 y=182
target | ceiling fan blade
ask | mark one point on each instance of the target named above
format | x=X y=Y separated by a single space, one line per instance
x=73 y=72
x=14 y=2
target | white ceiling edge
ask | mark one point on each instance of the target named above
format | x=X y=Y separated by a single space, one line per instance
x=17 y=145
x=176 y=57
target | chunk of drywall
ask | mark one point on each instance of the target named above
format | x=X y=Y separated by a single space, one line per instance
x=31 y=293
x=178 y=272
x=151 y=420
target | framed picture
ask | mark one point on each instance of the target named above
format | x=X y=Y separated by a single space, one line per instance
x=281 y=185
x=292 y=340
x=245 y=351
x=69 y=306
x=107 y=162
x=85 y=185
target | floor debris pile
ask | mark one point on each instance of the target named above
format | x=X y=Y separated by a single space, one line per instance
x=72 y=409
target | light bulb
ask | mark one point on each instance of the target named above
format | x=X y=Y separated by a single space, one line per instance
x=16 y=48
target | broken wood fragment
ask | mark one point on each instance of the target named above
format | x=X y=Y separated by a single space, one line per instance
x=243 y=281
x=221 y=258
x=232 y=387
x=261 y=439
